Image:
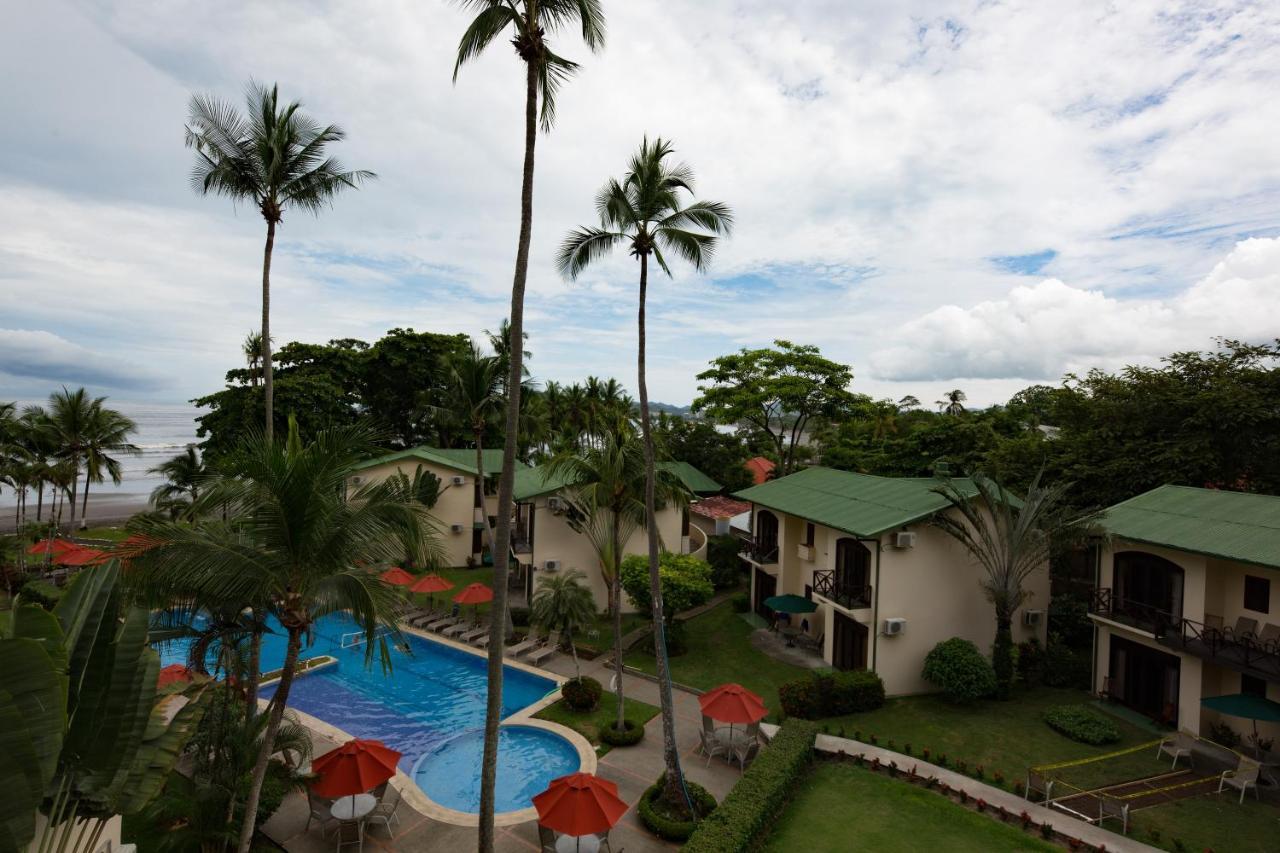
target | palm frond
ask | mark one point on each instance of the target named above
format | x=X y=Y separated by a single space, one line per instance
x=582 y=247
x=695 y=248
x=714 y=216
x=553 y=70
x=494 y=17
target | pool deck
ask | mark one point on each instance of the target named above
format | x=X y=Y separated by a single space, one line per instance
x=633 y=769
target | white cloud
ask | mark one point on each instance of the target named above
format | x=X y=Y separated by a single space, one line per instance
x=27 y=354
x=1040 y=331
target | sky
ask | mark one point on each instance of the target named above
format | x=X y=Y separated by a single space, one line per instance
x=975 y=195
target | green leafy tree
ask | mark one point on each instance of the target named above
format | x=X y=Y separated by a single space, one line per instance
x=183 y=475
x=686 y=582
x=646 y=211
x=477 y=396
x=777 y=390
x=563 y=603
x=722 y=457
x=952 y=403
x=529 y=22
x=295 y=532
x=275 y=157
x=84 y=732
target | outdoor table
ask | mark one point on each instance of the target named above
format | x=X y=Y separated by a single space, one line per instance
x=354 y=807
x=577 y=844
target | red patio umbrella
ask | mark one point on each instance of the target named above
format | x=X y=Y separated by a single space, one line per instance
x=579 y=804
x=431 y=583
x=56 y=547
x=172 y=673
x=81 y=556
x=397 y=577
x=476 y=593
x=733 y=703
x=353 y=768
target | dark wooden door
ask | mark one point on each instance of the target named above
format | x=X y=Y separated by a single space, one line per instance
x=766 y=587
x=849 y=643
x=1144 y=679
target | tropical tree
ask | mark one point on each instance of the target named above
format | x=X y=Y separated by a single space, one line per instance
x=477 y=393
x=646 y=211
x=183 y=474
x=109 y=432
x=296 y=533
x=529 y=22
x=84 y=732
x=1011 y=539
x=952 y=402
x=605 y=486
x=252 y=349
x=274 y=157
x=563 y=603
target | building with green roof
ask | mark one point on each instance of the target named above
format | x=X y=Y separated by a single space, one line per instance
x=1186 y=604
x=886 y=584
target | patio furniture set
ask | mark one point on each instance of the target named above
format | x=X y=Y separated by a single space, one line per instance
x=340 y=798
x=735 y=705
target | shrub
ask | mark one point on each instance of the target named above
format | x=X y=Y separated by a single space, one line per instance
x=827 y=694
x=1082 y=723
x=41 y=593
x=759 y=795
x=959 y=669
x=665 y=827
x=1031 y=661
x=740 y=603
x=630 y=736
x=1223 y=734
x=581 y=694
x=685 y=581
x=726 y=566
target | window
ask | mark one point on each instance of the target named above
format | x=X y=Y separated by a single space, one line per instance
x=1253 y=686
x=809 y=533
x=1257 y=594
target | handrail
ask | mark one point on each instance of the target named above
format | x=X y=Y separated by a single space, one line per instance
x=1243 y=650
x=1104 y=602
x=827 y=584
x=760 y=552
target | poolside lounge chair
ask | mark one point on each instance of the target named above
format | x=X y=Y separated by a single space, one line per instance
x=537 y=656
x=423 y=616
x=474 y=634
x=1244 y=776
x=442 y=623
x=320 y=809
x=385 y=810
x=457 y=629
x=531 y=642
x=482 y=642
x=1178 y=744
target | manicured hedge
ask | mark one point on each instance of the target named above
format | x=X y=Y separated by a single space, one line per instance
x=633 y=734
x=581 y=694
x=673 y=830
x=831 y=694
x=760 y=794
x=1082 y=723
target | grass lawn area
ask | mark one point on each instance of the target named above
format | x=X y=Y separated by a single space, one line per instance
x=461 y=578
x=719 y=650
x=1213 y=822
x=841 y=807
x=603 y=628
x=115 y=534
x=589 y=723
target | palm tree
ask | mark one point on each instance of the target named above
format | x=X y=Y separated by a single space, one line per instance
x=909 y=402
x=1011 y=540
x=289 y=549
x=82 y=430
x=952 y=402
x=476 y=390
x=109 y=433
x=529 y=21
x=563 y=603
x=273 y=157
x=183 y=474
x=644 y=211
x=252 y=349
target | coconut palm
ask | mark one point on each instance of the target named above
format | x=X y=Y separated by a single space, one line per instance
x=529 y=22
x=563 y=603
x=1011 y=539
x=475 y=387
x=183 y=474
x=952 y=402
x=274 y=157
x=295 y=534
x=109 y=433
x=252 y=349
x=646 y=211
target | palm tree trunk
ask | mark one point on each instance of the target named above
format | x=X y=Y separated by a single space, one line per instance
x=268 y=388
x=673 y=788
x=255 y=666
x=268 y=739
x=614 y=596
x=1002 y=653
x=84 y=505
x=75 y=481
x=40 y=501
x=506 y=483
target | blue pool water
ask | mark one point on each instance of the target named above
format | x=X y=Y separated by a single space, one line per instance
x=430 y=707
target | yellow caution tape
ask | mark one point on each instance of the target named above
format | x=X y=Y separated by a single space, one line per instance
x=1061 y=764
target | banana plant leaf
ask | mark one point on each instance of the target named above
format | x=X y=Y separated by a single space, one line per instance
x=32 y=712
x=161 y=747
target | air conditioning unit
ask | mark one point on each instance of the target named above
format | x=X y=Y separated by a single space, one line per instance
x=457 y=528
x=1032 y=618
x=551 y=566
x=458 y=481
x=805 y=552
x=555 y=504
x=894 y=627
x=904 y=539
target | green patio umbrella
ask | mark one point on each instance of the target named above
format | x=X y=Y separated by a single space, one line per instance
x=1246 y=706
x=790 y=604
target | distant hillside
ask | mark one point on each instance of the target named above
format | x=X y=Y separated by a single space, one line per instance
x=670 y=409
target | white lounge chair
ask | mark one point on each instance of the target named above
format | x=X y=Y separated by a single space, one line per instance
x=473 y=635
x=537 y=656
x=441 y=624
x=1178 y=744
x=532 y=642
x=457 y=629
x=1243 y=777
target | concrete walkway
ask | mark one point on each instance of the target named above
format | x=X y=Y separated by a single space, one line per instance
x=633 y=769
x=997 y=797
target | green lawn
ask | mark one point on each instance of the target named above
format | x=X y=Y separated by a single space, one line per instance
x=589 y=723
x=461 y=578
x=1214 y=822
x=844 y=808
x=719 y=650
x=115 y=534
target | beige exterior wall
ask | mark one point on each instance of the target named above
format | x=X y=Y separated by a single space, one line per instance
x=1213 y=588
x=456 y=504
x=934 y=586
x=554 y=539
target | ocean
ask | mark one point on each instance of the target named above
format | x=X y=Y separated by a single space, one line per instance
x=164 y=431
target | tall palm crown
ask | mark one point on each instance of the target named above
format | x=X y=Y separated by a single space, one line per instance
x=109 y=433
x=275 y=157
x=564 y=603
x=183 y=475
x=475 y=380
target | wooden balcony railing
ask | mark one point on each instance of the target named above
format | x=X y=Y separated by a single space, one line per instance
x=1244 y=652
x=827 y=584
x=1147 y=617
x=761 y=552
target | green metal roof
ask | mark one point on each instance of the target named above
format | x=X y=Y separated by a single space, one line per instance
x=458 y=458
x=693 y=479
x=1230 y=525
x=861 y=504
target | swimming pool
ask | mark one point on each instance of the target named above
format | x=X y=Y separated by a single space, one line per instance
x=430 y=707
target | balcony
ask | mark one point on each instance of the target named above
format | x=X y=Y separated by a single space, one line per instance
x=1127 y=611
x=829 y=585
x=1235 y=648
x=760 y=553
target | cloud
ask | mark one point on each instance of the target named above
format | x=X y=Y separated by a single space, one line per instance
x=1039 y=332
x=41 y=355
